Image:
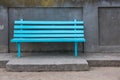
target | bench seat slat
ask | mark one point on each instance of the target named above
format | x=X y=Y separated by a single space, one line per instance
x=48 y=35
x=48 y=31
x=48 y=22
x=48 y=40
x=47 y=27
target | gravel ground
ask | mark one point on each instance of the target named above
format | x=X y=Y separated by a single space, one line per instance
x=95 y=73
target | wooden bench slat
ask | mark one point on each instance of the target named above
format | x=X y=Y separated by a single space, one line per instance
x=48 y=35
x=49 y=22
x=47 y=27
x=48 y=40
x=47 y=31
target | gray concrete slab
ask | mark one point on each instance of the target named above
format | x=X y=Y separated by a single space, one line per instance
x=103 y=59
x=4 y=58
x=47 y=63
x=57 y=61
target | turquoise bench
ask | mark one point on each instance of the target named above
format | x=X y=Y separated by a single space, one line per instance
x=48 y=31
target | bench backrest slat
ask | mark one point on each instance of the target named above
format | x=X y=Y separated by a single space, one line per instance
x=47 y=31
x=47 y=27
x=48 y=35
x=49 y=22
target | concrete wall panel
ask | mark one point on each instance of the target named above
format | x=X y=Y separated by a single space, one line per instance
x=3 y=29
x=109 y=26
x=44 y=14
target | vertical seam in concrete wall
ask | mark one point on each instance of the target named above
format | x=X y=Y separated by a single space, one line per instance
x=8 y=32
x=98 y=26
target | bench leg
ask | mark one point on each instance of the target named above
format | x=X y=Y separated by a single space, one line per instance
x=19 y=50
x=75 y=49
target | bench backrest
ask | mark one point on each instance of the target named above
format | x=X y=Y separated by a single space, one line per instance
x=48 y=29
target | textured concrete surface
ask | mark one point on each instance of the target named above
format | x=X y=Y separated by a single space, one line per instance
x=3 y=30
x=93 y=59
x=47 y=63
x=95 y=73
x=40 y=14
x=4 y=58
x=103 y=59
x=93 y=12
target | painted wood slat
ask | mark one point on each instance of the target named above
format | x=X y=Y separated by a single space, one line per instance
x=48 y=40
x=48 y=35
x=47 y=27
x=49 y=22
x=48 y=31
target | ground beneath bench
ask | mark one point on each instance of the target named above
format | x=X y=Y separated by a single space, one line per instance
x=96 y=73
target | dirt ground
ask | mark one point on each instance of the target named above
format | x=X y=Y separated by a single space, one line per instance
x=95 y=73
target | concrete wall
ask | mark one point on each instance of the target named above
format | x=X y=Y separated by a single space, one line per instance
x=43 y=14
x=101 y=22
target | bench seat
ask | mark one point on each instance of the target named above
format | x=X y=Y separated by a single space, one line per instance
x=48 y=40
